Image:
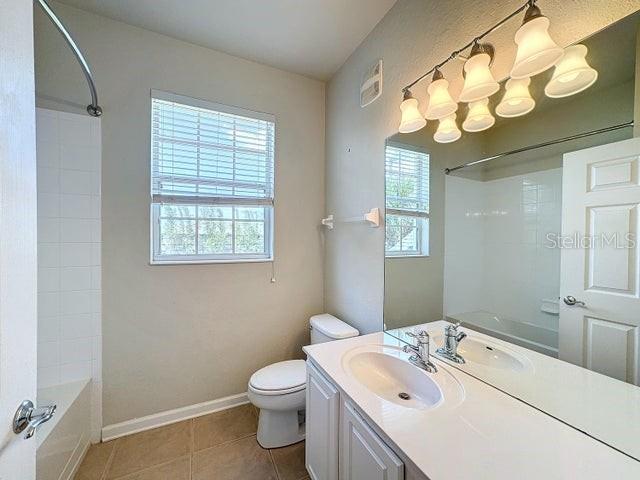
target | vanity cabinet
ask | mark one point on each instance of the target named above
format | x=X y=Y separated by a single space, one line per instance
x=363 y=455
x=322 y=426
x=339 y=443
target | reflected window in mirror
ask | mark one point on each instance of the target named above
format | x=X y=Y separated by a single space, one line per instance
x=407 y=201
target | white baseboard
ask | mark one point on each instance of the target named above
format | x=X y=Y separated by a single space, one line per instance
x=171 y=416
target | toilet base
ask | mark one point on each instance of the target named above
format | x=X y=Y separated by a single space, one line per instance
x=279 y=428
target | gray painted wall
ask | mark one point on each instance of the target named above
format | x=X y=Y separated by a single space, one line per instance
x=412 y=37
x=180 y=335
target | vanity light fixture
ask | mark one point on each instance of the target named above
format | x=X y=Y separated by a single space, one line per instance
x=479 y=117
x=441 y=104
x=412 y=120
x=448 y=130
x=517 y=100
x=536 y=53
x=479 y=82
x=572 y=73
x=536 y=49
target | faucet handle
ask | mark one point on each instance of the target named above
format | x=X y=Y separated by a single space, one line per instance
x=451 y=329
x=422 y=336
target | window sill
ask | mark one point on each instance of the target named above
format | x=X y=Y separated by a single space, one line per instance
x=399 y=257
x=207 y=262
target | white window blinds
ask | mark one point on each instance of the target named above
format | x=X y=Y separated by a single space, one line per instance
x=407 y=181
x=212 y=181
x=210 y=154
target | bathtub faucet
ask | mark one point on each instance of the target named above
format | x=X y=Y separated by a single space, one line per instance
x=451 y=340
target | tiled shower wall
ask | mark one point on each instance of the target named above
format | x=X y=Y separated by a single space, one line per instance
x=497 y=256
x=69 y=243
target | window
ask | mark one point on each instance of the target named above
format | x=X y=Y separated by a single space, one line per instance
x=211 y=181
x=407 y=202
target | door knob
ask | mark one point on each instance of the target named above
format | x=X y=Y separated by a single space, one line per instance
x=29 y=417
x=571 y=301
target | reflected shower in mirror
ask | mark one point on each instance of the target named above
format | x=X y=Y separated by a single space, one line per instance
x=489 y=232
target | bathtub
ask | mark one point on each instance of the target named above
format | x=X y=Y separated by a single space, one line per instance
x=63 y=441
x=540 y=339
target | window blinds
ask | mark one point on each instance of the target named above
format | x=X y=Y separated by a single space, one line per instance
x=407 y=182
x=205 y=153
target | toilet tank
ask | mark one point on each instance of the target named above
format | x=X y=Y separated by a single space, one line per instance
x=325 y=328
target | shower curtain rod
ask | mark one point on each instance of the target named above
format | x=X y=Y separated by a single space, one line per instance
x=447 y=171
x=93 y=109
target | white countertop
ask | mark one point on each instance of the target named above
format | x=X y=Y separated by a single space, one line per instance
x=604 y=407
x=489 y=435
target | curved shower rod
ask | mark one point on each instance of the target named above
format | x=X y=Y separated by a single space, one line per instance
x=93 y=109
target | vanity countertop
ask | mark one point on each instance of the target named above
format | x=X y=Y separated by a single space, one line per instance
x=489 y=435
x=604 y=407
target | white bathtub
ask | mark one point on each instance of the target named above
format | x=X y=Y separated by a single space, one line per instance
x=541 y=339
x=64 y=440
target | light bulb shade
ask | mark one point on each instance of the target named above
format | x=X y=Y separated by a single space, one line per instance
x=479 y=117
x=536 y=49
x=572 y=73
x=517 y=100
x=440 y=102
x=478 y=81
x=412 y=120
x=448 y=130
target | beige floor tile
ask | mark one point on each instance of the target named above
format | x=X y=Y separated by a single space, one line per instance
x=290 y=462
x=95 y=461
x=243 y=459
x=175 y=470
x=225 y=426
x=150 y=448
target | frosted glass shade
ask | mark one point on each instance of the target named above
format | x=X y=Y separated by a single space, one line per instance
x=441 y=103
x=447 y=131
x=478 y=82
x=572 y=73
x=412 y=120
x=479 y=117
x=536 y=49
x=517 y=100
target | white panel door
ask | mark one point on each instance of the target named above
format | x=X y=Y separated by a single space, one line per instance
x=599 y=260
x=17 y=234
x=322 y=426
x=364 y=456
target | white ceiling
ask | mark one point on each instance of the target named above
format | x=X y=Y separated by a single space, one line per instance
x=310 y=37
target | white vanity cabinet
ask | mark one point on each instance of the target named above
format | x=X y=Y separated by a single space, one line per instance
x=339 y=443
x=363 y=454
x=322 y=426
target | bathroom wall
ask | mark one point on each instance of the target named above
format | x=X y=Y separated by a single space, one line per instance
x=69 y=244
x=498 y=257
x=179 y=335
x=414 y=35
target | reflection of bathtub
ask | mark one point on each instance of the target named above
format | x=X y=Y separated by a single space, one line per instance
x=533 y=337
x=63 y=440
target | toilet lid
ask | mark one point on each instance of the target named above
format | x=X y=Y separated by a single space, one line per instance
x=280 y=376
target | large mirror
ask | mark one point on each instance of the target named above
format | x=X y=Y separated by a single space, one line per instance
x=531 y=247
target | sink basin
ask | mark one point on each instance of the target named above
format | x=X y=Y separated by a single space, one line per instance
x=478 y=352
x=386 y=372
x=395 y=380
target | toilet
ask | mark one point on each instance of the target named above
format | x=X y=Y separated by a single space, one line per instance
x=278 y=390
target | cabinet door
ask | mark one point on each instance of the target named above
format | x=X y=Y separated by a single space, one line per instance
x=364 y=456
x=322 y=426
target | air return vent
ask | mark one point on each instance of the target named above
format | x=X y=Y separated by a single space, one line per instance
x=371 y=87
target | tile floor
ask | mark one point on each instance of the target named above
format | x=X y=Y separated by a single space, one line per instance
x=220 y=446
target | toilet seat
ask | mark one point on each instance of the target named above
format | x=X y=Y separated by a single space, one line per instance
x=280 y=378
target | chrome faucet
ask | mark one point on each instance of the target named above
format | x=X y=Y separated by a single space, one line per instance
x=420 y=351
x=451 y=340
